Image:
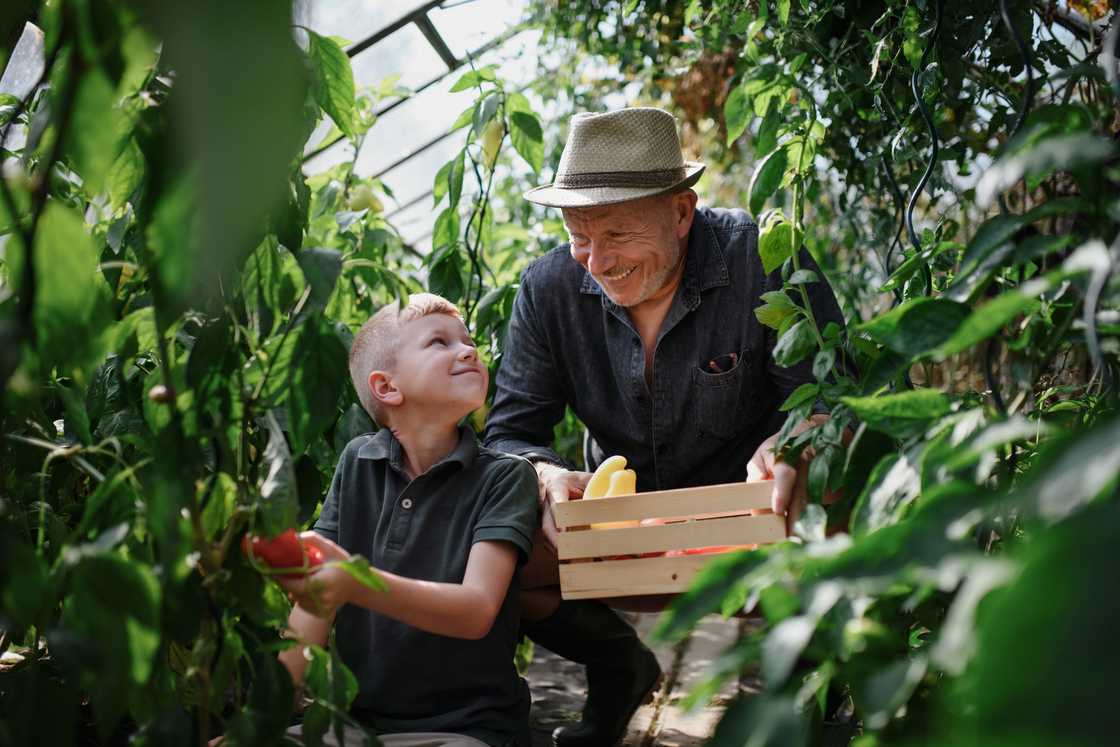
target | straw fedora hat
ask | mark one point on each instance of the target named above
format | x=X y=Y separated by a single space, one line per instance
x=618 y=156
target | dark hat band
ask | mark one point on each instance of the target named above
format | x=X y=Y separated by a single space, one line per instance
x=641 y=179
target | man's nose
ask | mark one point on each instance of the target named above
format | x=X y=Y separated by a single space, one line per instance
x=598 y=260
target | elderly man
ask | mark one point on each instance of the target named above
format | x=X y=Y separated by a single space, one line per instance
x=644 y=325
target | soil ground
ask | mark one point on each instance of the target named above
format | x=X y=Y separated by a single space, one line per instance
x=559 y=688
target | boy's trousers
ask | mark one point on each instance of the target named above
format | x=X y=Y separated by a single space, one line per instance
x=355 y=738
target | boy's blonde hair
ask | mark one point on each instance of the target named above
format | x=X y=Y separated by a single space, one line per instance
x=376 y=343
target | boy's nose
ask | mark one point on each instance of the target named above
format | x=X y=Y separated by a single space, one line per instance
x=468 y=353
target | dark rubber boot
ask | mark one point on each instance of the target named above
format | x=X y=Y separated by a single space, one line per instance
x=621 y=672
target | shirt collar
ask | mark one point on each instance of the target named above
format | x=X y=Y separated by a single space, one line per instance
x=384 y=445
x=704 y=265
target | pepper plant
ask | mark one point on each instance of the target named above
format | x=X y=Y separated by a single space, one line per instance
x=177 y=298
x=952 y=169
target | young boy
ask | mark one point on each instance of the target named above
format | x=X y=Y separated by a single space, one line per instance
x=446 y=523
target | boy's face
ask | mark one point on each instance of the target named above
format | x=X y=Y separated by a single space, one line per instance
x=438 y=369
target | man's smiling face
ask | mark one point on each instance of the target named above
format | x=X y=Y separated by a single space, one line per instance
x=633 y=250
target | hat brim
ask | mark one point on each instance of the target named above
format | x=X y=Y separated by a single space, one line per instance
x=553 y=196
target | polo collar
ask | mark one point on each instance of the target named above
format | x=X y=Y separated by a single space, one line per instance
x=704 y=265
x=384 y=445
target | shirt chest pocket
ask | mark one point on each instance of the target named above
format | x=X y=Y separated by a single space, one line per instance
x=721 y=406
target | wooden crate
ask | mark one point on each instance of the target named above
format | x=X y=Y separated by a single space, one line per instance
x=603 y=561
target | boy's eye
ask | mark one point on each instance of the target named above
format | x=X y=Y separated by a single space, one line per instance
x=437 y=341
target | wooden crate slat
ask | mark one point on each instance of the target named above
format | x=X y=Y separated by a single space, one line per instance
x=735 y=530
x=621 y=578
x=729 y=498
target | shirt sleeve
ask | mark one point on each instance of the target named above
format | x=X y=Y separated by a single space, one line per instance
x=327 y=523
x=510 y=511
x=528 y=398
x=825 y=309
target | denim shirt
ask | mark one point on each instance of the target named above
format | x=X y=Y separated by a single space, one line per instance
x=568 y=344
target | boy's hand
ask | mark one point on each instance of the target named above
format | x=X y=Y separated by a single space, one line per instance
x=322 y=591
x=331 y=550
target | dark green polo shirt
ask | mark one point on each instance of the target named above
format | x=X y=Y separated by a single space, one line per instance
x=410 y=680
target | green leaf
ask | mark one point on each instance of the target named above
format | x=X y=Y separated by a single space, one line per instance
x=528 y=139
x=525 y=131
x=716 y=581
x=97 y=132
x=446 y=231
x=797 y=342
x=762 y=720
x=767 y=138
x=918 y=325
x=332 y=81
x=321 y=268
x=888 y=689
x=823 y=363
x=990 y=317
x=800 y=395
x=279 y=504
x=810 y=526
x=1073 y=472
x=776 y=245
x=767 y=176
x=1044 y=672
x=912 y=46
x=70 y=310
x=445 y=277
x=899 y=415
x=465 y=118
x=314 y=382
x=472 y=78
x=361 y=571
x=777 y=308
x=125 y=175
x=1061 y=153
x=894 y=484
x=803 y=277
x=77 y=419
x=449 y=181
x=23 y=583
x=737 y=114
x=114 y=604
x=783 y=12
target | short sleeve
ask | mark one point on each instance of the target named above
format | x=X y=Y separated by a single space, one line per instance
x=510 y=512
x=327 y=523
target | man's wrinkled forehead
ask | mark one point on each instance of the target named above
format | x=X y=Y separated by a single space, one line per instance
x=634 y=213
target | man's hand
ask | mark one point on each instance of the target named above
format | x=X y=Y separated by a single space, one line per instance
x=790 y=494
x=556 y=486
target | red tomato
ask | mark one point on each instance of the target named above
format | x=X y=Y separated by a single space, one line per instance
x=282 y=551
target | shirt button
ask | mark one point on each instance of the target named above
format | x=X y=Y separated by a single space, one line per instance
x=406 y=503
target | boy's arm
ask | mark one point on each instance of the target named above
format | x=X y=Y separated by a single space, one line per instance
x=465 y=610
x=307 y=629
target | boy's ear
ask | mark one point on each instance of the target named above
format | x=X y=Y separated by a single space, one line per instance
x=384 y=390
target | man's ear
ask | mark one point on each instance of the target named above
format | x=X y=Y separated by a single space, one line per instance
x=684 y=209
x=383 y=389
